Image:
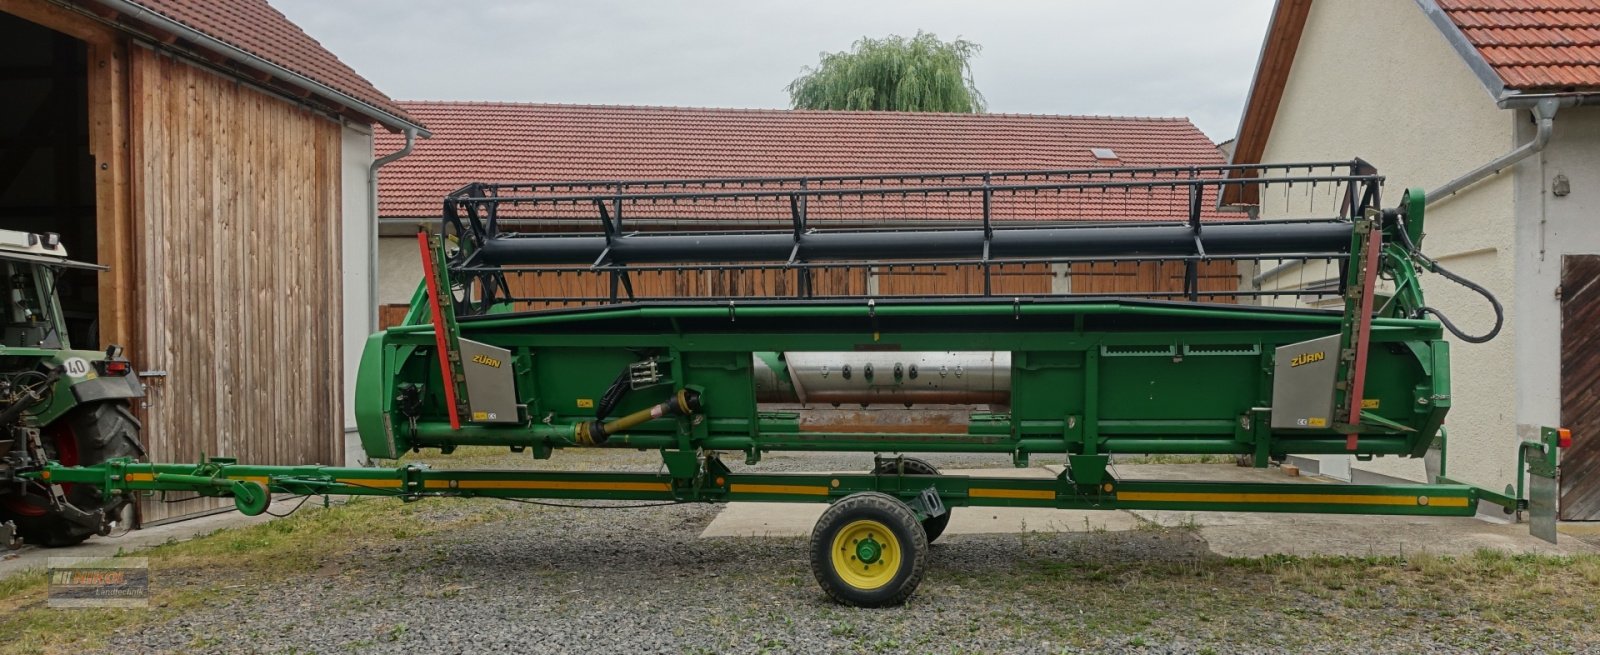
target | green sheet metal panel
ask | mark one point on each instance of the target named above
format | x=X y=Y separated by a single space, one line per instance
x=1167 y=385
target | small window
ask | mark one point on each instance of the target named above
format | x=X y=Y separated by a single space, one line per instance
x=1104 y=153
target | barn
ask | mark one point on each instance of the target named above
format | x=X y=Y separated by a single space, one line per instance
x=219 y=161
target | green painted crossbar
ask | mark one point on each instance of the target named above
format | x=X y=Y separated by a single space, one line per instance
x=713 y=483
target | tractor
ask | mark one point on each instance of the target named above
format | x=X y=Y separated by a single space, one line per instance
x=57 y=403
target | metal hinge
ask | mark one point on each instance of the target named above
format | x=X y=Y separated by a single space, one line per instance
x=929 y=503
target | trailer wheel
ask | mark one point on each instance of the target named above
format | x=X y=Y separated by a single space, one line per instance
x=869 y=551
x=933 y=526
x=90 y=434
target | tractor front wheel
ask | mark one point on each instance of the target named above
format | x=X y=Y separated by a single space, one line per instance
x=87 y=435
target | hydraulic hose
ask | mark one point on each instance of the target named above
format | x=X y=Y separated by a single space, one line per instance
x=595 y=433
x=1431 y=265
x=613 y=395
x=29 y=397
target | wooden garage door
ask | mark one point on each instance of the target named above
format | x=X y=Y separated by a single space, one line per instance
x=1004 y=279
x=581 y=286
x=1159 y=277
x=1580 y=386
x=236 y=198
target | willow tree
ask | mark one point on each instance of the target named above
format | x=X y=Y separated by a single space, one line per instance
x=892 y=74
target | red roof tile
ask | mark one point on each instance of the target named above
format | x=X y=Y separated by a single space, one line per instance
x=509 y=142
x=257 y=28
x=1534 y=44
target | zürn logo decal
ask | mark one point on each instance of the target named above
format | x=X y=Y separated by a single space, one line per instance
x=486 y=360
x=1307 y=358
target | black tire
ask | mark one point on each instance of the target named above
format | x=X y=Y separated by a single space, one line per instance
x=898 y=544
x=87 y=435
x=934 y=526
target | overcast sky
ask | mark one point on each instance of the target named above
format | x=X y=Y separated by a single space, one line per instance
x=1119 y=57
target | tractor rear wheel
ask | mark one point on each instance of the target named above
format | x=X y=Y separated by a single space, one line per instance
x=933 y=526
x=87 y=435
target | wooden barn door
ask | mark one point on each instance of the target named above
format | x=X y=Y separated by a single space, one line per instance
x=1580 y=386
x=236 y=199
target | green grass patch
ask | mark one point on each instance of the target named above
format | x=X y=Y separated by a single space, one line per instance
x=1304 y=600
x=296 y=546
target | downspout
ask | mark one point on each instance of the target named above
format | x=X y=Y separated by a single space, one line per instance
x=372 y=225
x=1545 y=112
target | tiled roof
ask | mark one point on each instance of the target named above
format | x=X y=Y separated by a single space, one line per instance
x=1534 y=44
x=260 y=30
x=1512 y=46
x=518 y=142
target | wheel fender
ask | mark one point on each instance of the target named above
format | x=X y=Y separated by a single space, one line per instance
x=108 y=387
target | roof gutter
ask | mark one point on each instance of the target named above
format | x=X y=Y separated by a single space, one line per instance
x=1532 y=100
x=259 y=65
x=372 y=225
x=1544 y=111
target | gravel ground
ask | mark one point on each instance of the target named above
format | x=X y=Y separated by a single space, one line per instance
x=559 y=580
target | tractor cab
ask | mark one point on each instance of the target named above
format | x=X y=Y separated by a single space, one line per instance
x=31 y=265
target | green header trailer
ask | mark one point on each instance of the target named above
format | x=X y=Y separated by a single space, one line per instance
x=494 y=353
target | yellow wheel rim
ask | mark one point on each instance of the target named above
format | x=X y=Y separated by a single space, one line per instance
x=866 y=555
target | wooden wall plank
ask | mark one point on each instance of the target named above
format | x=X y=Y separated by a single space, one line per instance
x=116 y=239
x=893 y=280
x=237 y=196
x=61 y=20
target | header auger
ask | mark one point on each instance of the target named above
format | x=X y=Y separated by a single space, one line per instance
x=736 y=341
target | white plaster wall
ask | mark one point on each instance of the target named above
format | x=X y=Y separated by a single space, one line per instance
x=399 y=269
x=1376 y=80
x=355 y=209
x=1571 y=226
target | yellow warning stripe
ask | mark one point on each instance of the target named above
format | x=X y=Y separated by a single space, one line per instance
x=151 y=477
x=802 y=489
x=548 y=484
x=1025 y=494
x=368 y=482
x=1316 y=499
